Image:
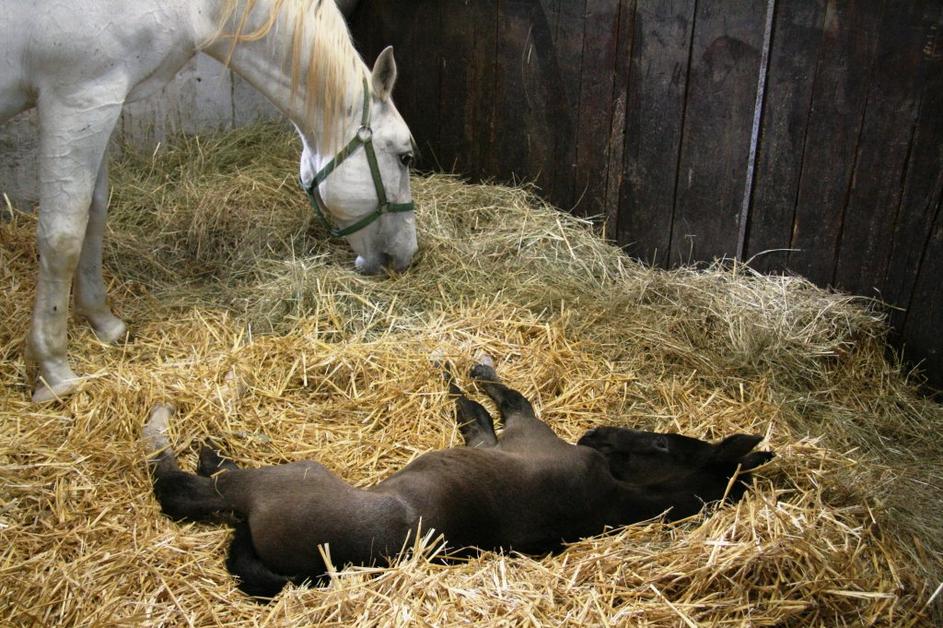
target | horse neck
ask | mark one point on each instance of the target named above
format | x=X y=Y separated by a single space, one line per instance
x=266 y=62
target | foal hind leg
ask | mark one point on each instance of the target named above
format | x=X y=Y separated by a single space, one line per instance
x=255 y=578
x=517 y=414
x=474 y=422
x=182 y=496
x=91 y=297
x=211 y=461
x=73 y=139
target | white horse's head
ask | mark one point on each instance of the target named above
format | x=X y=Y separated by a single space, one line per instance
x=380 y=234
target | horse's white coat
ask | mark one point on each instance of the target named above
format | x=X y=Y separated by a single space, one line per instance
x=78 y=62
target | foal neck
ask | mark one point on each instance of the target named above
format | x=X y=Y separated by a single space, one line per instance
x=675 y=500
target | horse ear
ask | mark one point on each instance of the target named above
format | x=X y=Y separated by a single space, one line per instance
x=384 y=74
x=735 y=447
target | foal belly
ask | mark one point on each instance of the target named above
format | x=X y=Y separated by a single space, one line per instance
x=526 y=508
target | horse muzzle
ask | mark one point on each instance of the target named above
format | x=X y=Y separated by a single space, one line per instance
x=384 y=261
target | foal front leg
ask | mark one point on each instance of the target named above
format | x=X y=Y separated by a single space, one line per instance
x=474 y=422
x=74 y=133
x=517 y=414
x=91 y=298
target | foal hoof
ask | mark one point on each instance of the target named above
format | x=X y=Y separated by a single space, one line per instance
x=155 y=429
x=484 y=359
x=484 y=369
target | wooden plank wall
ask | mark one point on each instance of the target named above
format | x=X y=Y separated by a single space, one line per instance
x=641 y=112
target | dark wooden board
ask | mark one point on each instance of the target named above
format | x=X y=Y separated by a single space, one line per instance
x=601 y=26
x=654 y=114
x=794 y=51
x=725 y=59
x=419 y=38
x=642 y=112
x=920 y=199
x=466 y=97
x=523 y=146
x=842 y=83
x=564 y=70
x=922 y=330
x=883 y=149
x=617 y=128
x=416 y=39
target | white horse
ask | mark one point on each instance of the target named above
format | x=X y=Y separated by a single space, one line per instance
x=78 y=62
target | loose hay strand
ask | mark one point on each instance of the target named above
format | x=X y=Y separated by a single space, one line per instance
x=217 y=265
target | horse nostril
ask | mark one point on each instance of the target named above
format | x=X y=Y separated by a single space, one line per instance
x=396 y=262
x=366 y=267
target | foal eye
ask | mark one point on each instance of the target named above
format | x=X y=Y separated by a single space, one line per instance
x=660 y=443
x=406 y=159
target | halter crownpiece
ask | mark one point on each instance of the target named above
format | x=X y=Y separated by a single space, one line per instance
x=364 y=137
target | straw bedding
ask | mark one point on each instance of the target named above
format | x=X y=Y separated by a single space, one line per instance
x=217 y=265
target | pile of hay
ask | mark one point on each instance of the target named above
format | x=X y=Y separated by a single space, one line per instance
x=217 y=265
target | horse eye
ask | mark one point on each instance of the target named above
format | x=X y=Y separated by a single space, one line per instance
x=406 y=159
x=660 y=443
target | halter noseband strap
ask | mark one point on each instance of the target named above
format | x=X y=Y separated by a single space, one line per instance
x=364 y=137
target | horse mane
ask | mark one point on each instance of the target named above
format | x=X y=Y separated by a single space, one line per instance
x=321 y=49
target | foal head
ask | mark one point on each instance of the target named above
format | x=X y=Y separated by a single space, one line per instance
x=651 y=458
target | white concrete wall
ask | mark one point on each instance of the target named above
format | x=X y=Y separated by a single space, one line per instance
x=205 y=97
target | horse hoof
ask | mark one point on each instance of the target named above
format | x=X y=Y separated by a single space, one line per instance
x=484 y=369
x=111 y=331
x=437 y=357
x=45 y=393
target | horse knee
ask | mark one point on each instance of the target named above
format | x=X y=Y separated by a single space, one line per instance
x=59 y=249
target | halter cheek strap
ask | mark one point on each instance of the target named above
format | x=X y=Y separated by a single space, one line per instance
x=364 y=137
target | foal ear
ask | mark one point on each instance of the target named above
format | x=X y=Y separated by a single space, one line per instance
x=756 y=459
x=732 y=448
x=384 y=74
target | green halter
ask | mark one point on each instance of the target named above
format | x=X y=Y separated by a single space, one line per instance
x=363 y=138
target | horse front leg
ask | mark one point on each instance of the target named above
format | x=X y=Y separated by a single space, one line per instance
x=73 y=137
x=91 y=297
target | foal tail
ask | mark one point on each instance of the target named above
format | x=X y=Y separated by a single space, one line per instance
x=182 y=495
